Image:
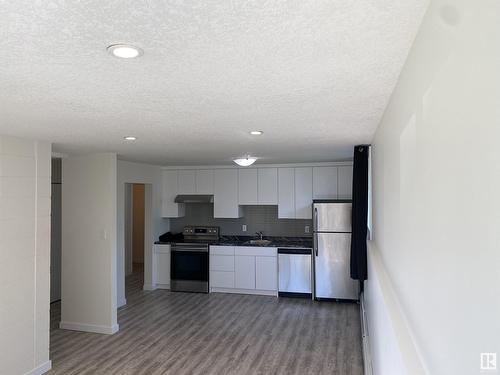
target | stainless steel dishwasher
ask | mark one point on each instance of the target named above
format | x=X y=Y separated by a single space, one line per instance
x=295 y=272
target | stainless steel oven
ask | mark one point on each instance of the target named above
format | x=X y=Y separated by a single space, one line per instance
x=189 y=267
x=189 y=260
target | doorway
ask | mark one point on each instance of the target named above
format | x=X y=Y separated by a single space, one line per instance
x=55 y=228
x=135 y=229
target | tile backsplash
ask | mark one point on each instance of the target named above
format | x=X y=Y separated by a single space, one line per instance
x=256 y=218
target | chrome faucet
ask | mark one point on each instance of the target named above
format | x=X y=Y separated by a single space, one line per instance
x=260 y=234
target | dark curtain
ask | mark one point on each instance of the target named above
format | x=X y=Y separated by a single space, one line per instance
x=359 y=213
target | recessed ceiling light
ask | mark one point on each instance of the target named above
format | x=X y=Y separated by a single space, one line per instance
x=245 y=162
x=129 y=138
x=125 y=51
x=256 y=132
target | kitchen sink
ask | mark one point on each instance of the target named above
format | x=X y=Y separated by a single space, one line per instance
x=259 y=242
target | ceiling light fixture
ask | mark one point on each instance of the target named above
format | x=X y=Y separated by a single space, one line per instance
x=245 y=162
x=125 y=51
x=256 y=132
x=130 y=138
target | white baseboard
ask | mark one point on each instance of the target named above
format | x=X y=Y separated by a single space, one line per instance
x=367 y=358
x=149 y=287
x=162 y=286
x=245 y=291
x=122 y=302
x=107 y=330
x=42 y=369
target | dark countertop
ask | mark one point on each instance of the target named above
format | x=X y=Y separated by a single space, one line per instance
x=305 y=242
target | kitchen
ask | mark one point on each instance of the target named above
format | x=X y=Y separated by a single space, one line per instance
x=167 y=95
x=252 y=230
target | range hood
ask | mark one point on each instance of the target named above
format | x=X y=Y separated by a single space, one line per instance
x=192 y=198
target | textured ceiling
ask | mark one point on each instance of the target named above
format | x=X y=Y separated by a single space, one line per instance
x=315 y=75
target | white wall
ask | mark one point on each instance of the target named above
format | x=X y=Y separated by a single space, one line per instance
x=129 y=172
x=24 y=255
x=392 y=346
x=89 y=243
x=436 y=169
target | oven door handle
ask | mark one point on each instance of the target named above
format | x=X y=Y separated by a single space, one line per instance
x=189 y=250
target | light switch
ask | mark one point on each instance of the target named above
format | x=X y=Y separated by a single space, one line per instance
x=306 y=229
x=104 y=234
x=244 y=227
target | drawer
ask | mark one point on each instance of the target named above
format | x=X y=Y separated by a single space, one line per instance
x=220 y=279
x=256 y=251
x=161 y=249
x=221 y=262
x=222 y=250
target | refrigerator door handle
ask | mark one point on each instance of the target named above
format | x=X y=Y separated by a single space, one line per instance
x=315 y=243
x=315 y=236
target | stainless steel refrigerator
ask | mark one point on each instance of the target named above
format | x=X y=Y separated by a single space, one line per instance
x=332 y=248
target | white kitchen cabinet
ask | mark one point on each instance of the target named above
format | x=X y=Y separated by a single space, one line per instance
x=221 y=279
x=258 y=186
x=266 y=273
x=244 y=272
x=244 y=269
x=325 y=182
x=161 y=271
x=187 y=181
x=222 y=263
x=345 y=182
x=221 y=267
x=267 y=188
x=205 y=181
x=247 y=187
x=286 y=193
x=256 y=251
x=221 y=250
x=226 y=194
x=303 y=193
x=170 y=190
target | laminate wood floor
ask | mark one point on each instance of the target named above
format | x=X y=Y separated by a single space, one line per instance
x=162 y=332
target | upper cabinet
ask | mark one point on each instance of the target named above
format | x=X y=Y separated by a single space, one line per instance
x=170 y=191
x=325 y=182
x=193 y=181
x=187 y=181
x=247 y=186
x=303 y=193
x=286 y=193
x=258 y=186
x=226 y=194
x=291 y=188
x=205 y=181
x=267 y=189
x=345 y=182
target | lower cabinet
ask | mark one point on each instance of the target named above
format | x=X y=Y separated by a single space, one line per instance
x=266 y=277
x=221 y=279
x=161 y=273
x=244 y=269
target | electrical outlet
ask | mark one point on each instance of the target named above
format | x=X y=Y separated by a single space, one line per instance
x=307 y=229
x=244 y=227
